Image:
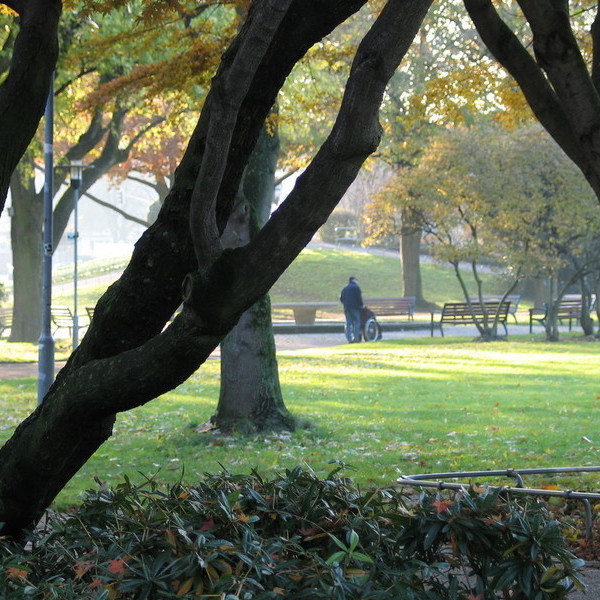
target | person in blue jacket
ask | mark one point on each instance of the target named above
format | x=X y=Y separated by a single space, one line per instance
x=351 y=298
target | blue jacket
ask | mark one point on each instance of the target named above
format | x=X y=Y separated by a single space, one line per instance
x=351 y=297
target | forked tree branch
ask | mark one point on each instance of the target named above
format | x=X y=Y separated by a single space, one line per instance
x=541 y=96
x=135 y=308
x=239 y=276
x=227 y=95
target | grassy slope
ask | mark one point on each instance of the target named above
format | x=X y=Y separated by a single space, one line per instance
x=408 y=406
x=319 y=275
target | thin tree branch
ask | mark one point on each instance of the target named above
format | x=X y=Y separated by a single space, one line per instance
x=118 y=210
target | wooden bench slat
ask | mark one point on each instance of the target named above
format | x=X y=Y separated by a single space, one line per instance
x=62 y=318
x=6 y=320
x=465 y=313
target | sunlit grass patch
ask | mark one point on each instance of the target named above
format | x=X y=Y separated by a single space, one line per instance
x=406 y=406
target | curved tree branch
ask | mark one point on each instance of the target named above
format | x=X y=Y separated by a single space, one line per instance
x=24 y=92
x=548 y=107
x=227 y=95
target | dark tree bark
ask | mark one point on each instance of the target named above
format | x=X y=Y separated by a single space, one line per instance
x=24 y=92
x=126 y=359
x=250 y=397
x=555 y=81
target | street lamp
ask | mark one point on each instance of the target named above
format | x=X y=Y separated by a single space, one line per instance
x=46 y=341
x=76 y=176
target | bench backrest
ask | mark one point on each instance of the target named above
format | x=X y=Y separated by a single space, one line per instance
x=514 y=300
x=569 y=308
x=462 y=311
x=5 y=318
x=391 y=306
x=61 y=316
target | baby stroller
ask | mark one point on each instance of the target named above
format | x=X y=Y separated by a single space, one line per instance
x=370 y=328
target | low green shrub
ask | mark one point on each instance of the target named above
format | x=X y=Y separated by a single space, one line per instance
x=296 y=536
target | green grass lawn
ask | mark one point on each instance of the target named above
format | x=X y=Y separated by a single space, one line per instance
x=319 y=275
x=409 y=406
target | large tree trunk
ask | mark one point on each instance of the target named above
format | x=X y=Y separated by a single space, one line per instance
x=26 y=243
x=410 y=255
x=250 y=397
x=127 y=357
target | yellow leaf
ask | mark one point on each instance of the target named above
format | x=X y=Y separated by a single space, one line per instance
x=171 y=538
x=185 y=587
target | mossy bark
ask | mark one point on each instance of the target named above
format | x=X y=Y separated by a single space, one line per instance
x=250 y=397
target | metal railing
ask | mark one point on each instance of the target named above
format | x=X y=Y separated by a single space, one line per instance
x=435 y=480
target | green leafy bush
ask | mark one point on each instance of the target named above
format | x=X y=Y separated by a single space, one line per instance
x=297 y=536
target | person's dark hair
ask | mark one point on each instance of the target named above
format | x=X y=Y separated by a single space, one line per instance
x=351 y=279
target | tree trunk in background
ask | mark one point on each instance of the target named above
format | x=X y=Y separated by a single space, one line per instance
x=410 y=256
x=26 y=243
x=250 y=398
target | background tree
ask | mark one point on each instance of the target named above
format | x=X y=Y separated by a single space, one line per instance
x=250 y=397
x=485 y=195
x=126 y=358
x=447 y=80
x=552 y=51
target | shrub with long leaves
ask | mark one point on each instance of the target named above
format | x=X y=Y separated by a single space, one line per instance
x=296 y=536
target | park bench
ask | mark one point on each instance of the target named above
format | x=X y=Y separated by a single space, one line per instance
x=392 y=307
x=62 y=318
x=5 y=319
x=514 y=300
x=465 y=313
x=305 y=313
x=569 y=308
